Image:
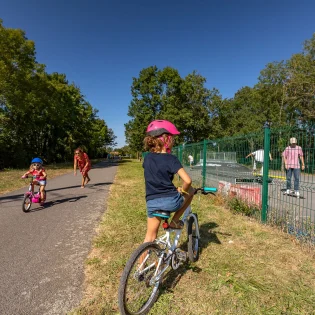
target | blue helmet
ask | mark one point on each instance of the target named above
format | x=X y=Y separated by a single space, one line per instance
x=37 y=160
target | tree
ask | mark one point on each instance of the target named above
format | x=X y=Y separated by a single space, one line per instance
x=194 y=119
x=144 y=107
x=272 y=88
x=163 y=94
x=301 y=84
x=125 y=150
x=247 y=103
x=42 y=114
x=17 y=67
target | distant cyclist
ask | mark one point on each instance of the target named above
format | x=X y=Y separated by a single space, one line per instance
x=39 y=177
x=159 y=170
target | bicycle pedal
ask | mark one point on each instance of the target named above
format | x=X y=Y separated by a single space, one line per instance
x=181 y=255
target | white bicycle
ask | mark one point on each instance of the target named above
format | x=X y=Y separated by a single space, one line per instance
x=143 y=273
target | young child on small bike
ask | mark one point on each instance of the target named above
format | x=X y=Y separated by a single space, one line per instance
x=159 y=170
x=39 y=177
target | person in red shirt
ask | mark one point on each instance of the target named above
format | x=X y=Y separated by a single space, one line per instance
x=39 y=177
x=82 y=160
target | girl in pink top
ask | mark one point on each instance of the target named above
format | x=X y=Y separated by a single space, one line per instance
x=82 y=160
x=39 y=177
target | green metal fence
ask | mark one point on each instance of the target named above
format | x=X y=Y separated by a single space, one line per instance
x=250 y=169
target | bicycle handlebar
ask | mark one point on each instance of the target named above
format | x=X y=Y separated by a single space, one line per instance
x=206 y=190
x=27 y=177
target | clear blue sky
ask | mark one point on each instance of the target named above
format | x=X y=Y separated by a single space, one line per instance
x=101 y=45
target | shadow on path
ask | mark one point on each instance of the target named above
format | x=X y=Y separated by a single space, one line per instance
x=20 y=196
x=56 y=202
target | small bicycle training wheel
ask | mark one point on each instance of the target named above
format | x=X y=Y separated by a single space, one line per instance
x=193 y=240
x=27 y=203
x=137 y=292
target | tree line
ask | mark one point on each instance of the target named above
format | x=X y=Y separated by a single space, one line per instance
x=42 y=114
x=284 y=95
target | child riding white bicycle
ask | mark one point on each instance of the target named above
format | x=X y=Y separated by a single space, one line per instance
x=39 y=177
x=143 y=273
x=159 y=170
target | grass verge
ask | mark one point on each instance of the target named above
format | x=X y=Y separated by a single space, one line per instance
x=10 y=179
x=244 y=267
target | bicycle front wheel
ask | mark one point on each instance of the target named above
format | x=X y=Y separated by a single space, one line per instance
x=27 y=203
x=138 y=291
x=193 y=240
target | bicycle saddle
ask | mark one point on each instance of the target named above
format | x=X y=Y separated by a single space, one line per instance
x=162 y=214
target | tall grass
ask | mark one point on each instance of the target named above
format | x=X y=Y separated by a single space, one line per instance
x=244 y=267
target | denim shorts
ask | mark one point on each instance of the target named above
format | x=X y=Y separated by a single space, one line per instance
x=40 y=182
x=171 y=204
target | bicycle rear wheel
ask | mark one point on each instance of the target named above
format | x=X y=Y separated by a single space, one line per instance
x=136 y=293
x=27 y=203
x=193 y=240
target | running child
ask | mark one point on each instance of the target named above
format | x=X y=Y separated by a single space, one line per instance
x=82 y=160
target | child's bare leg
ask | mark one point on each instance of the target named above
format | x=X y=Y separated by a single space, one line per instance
x=188 y=199
x=152 y=229
x=87 y=178
x=42 y=193
x=83 y=181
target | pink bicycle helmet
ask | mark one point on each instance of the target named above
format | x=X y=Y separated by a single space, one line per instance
x=158 y=127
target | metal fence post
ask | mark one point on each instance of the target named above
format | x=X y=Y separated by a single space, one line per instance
x=265 y=172
x=204 y=164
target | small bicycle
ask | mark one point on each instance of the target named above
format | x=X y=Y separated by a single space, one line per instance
x=30 y=197
x=143 y=273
